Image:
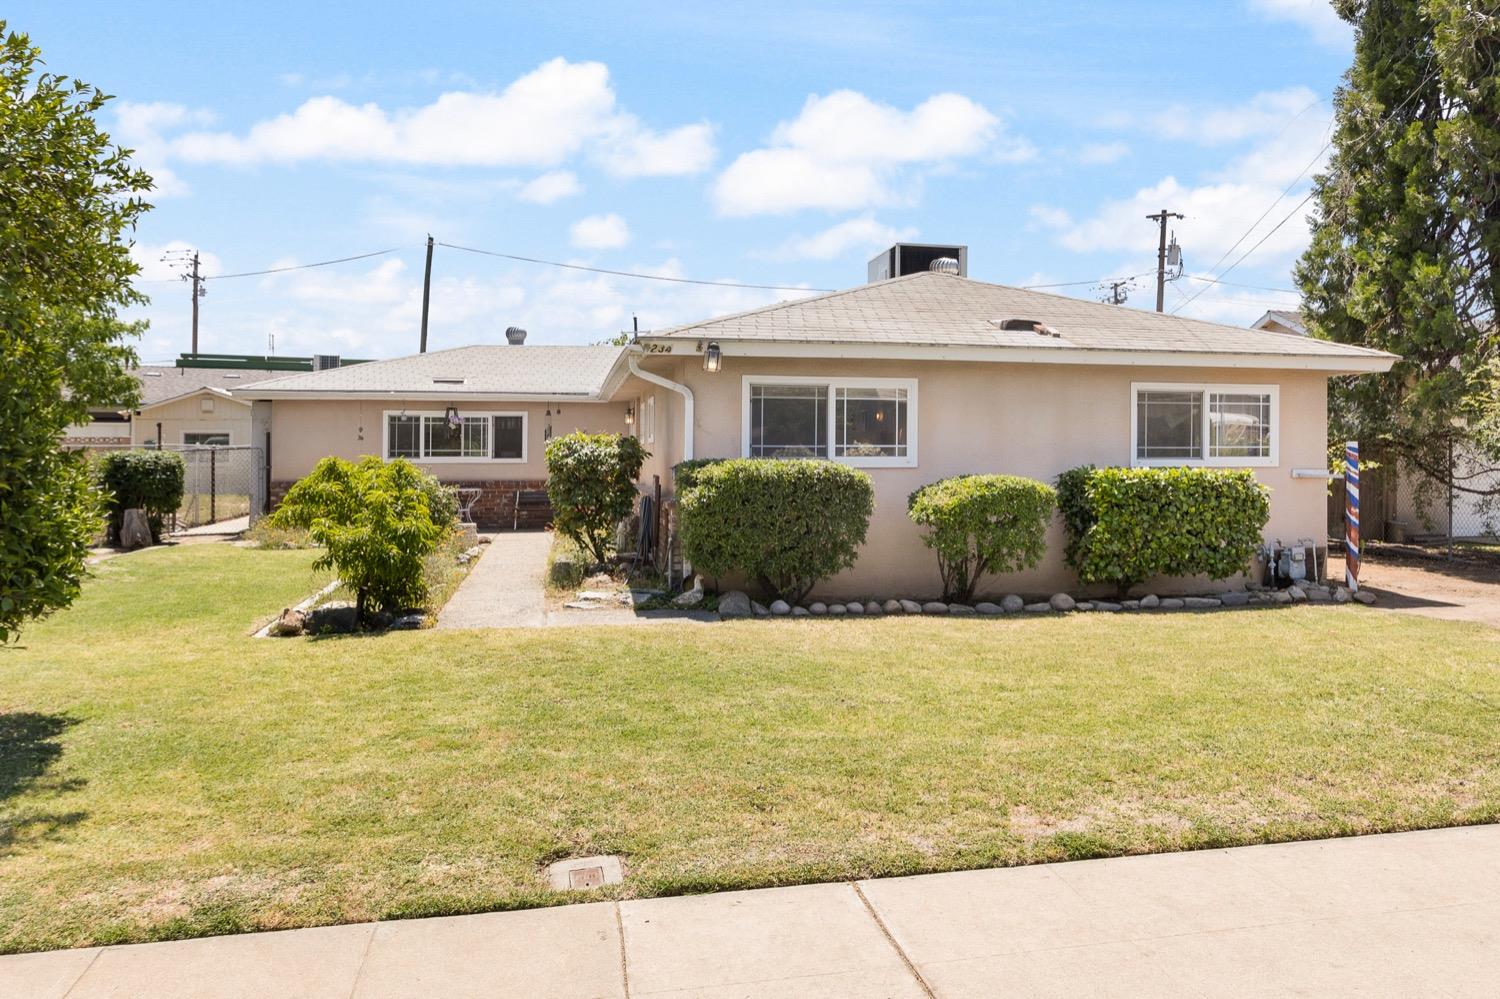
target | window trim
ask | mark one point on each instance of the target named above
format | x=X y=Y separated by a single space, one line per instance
x=833 y=384
x=1205 y=389
x=648 y=417
x=488 y=414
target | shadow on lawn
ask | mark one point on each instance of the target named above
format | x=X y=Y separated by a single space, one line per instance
x=29 y=747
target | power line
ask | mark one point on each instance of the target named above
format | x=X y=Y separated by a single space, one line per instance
x=1236 y=284
x=1074 y=284
x=303 y=267
x=630 y=274
x=1298 y=207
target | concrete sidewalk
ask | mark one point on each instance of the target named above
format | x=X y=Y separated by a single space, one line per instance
x=1411 y=914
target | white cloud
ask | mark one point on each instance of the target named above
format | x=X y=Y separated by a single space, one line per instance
x=864 y=234
x=635 y=151
x=140 y=126
x=1317 y=16
x=600 y=232
x=550 y=187
x=541 y=119
x=1264 y=114
x=845 y=151
x=1097 y=153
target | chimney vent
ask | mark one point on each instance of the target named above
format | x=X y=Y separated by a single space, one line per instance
x=515 y=336
x=944 y=265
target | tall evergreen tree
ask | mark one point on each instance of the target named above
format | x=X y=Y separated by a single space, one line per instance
x=1406 y=232
x=68 y=199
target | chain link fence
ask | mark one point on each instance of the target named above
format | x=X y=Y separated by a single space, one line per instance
x=218 y=481
x=1425 y=509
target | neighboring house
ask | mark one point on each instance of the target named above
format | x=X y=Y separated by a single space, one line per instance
x=914 y=378
x=1281 y=321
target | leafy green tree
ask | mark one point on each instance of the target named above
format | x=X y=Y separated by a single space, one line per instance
x=68 y=199
x=1406 y=230
x=591 y=484
x=982 y=524
x=377 y=521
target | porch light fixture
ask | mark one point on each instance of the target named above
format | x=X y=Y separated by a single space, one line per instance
x=630 y=416
x=713 y=357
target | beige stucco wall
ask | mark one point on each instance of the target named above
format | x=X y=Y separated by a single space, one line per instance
x=186 y=416
x=302 y=432
x=1031 y=420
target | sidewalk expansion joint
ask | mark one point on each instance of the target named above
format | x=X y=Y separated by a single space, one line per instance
x=926 y=989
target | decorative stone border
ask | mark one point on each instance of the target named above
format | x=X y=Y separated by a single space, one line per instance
x=736 y=603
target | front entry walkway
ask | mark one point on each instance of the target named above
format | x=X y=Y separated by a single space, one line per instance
x=505 y=589
x=1410 y=914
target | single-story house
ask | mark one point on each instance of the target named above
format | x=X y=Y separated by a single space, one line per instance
x=179 y=406
x=1281 y=321
x=913 y=378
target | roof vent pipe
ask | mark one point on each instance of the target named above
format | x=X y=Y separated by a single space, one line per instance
x=515 y=336
x=944 y=265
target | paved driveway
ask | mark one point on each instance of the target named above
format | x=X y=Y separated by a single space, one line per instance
x=1410 y=914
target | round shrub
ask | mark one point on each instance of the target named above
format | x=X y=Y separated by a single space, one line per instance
x=146 y=480
x=982 y=524
x=783 y=524
x=591 y=485
x=1128 y=525
x=375 y=523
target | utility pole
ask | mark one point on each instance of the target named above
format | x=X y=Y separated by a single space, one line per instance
x=426 y=293
x=194 y=276
x=1118 y=291
x=1161 y=257
x=197 y=294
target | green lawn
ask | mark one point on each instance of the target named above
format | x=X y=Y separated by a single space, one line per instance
x=162 y=774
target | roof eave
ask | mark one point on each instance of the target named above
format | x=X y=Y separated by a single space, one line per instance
x=1364 y=362
x=249 y=394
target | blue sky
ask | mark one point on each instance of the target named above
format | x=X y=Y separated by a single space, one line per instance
x=768 y=143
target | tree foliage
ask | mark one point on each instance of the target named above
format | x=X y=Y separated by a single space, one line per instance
x=591 y=484
x=982 y=524
x=1406 y=231
x=783 y=524
x=68 y=200
x=1128 y=525
x=377 y=521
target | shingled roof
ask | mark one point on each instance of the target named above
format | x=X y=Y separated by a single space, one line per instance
x=931 y=309
x=487 y=370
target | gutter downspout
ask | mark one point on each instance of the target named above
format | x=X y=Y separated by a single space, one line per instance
x=667 y=383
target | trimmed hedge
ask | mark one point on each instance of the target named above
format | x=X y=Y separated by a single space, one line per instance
x=591 y=483
x=981 y=524
x=685 y=473
x=1128 y=525
x=784 y=524
x=149 y=480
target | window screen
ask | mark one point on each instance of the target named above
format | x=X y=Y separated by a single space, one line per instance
x=1169 y=425
x=510 y=437
x=789 y=421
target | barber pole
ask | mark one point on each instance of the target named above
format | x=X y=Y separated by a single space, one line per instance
x=1351 y=515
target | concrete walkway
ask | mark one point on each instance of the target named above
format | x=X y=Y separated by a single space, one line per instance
x=1412 y=914
x=505 y=587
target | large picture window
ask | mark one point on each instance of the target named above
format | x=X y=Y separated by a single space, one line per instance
x=860 y=421
x=473 y=437
x=1233 y=425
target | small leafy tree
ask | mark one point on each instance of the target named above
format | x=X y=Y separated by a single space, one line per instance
x=981 y=524
x=148 y=480
x=1128 y=525
x=68 y=200
x=376 y=523
x=591 y=483
x=783 y=524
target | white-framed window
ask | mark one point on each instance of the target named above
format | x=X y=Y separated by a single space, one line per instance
x=430 y=436
x=868 y=422
x=211 y=438
x=648 y=418
x=1173 y=423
